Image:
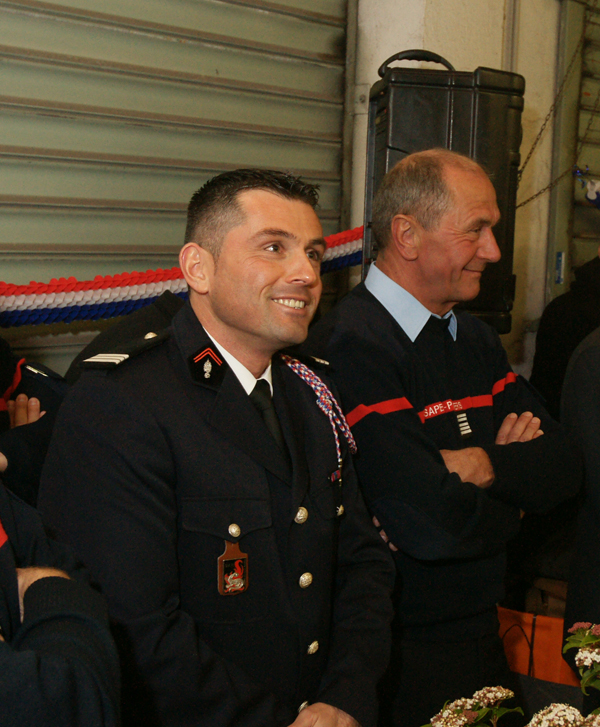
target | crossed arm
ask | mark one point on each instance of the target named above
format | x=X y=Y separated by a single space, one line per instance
x=472 y=464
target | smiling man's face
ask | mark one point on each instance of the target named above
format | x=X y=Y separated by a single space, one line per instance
x=265 y=286
x=453 y=256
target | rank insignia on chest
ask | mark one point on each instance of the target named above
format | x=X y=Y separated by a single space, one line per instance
x=207 y=366
x=233 y=570
x=463 y=425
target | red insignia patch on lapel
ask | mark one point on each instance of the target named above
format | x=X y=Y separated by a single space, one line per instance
x=206 y=366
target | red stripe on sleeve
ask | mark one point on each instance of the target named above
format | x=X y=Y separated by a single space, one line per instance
x=382 y=407
x=3 y=536
x=510 y=378
x=433 y=410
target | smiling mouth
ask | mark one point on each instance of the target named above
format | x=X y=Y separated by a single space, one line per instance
x=290 y=302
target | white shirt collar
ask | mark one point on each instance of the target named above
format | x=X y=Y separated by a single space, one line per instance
x=246 y=379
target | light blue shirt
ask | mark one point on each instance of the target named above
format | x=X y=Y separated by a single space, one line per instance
x=410 y=315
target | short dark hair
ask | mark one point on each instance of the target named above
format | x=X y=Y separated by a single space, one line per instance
x=214 y=209
x=416 y=186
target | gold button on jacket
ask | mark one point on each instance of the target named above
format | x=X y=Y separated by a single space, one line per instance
x=301 y=515
x=305 y=580
x=313 y=648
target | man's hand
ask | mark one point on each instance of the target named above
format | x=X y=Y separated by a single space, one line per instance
x=21 y=411
x=323 y=715
x=383 y=535
x=522 y=428
x=24 y=410
x=471 y=465
x=27 y=576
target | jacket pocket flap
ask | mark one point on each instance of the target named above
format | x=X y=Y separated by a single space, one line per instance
x=227 y=518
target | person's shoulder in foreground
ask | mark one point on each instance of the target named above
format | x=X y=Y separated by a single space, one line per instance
x=565 y=322
x=58 y=663
x=242 y=572
x=143 y=324
x=580 y=409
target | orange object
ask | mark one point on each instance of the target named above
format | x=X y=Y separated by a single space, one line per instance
x=533 y=646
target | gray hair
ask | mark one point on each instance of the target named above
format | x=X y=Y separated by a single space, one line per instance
x=416 y=186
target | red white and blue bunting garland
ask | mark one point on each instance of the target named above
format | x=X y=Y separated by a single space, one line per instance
x=68 y=299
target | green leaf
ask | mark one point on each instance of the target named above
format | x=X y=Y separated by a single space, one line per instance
x=500 y=711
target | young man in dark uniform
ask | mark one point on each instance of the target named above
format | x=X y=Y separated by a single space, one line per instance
x=243 y=575
x=452 y=445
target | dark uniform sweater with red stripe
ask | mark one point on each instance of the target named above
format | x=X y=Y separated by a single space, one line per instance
x=405 y=402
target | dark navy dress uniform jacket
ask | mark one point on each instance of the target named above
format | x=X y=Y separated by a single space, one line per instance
x=150 y=465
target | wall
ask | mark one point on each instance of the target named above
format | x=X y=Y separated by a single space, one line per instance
x=472 y=33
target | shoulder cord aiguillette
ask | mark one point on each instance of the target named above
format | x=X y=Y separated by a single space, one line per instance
x=326 y=401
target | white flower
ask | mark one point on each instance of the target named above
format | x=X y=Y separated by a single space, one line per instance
x=557 y=715
x=453 y=713
x=488 y=696
x=587 y=657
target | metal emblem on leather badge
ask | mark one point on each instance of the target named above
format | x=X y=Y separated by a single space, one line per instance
x=233 y=570
x=207 y=366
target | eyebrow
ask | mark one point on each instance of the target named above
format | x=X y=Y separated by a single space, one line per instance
x=485 y=221
x=276 y=232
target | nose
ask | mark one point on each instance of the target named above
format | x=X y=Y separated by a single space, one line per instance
x=488 y=248
x=303 y=270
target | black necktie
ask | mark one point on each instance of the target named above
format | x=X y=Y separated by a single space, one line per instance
x=261 y=398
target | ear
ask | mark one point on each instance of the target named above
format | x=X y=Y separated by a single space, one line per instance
x=197 y=266
x=406 y=236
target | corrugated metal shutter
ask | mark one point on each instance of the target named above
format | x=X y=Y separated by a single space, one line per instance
x=111 y=119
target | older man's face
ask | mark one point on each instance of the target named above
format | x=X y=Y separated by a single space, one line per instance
x=266 y=285
x=453 y=256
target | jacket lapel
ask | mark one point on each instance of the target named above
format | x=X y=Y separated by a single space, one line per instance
x=234 y=415
x=292 y=412
x=231 y=412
